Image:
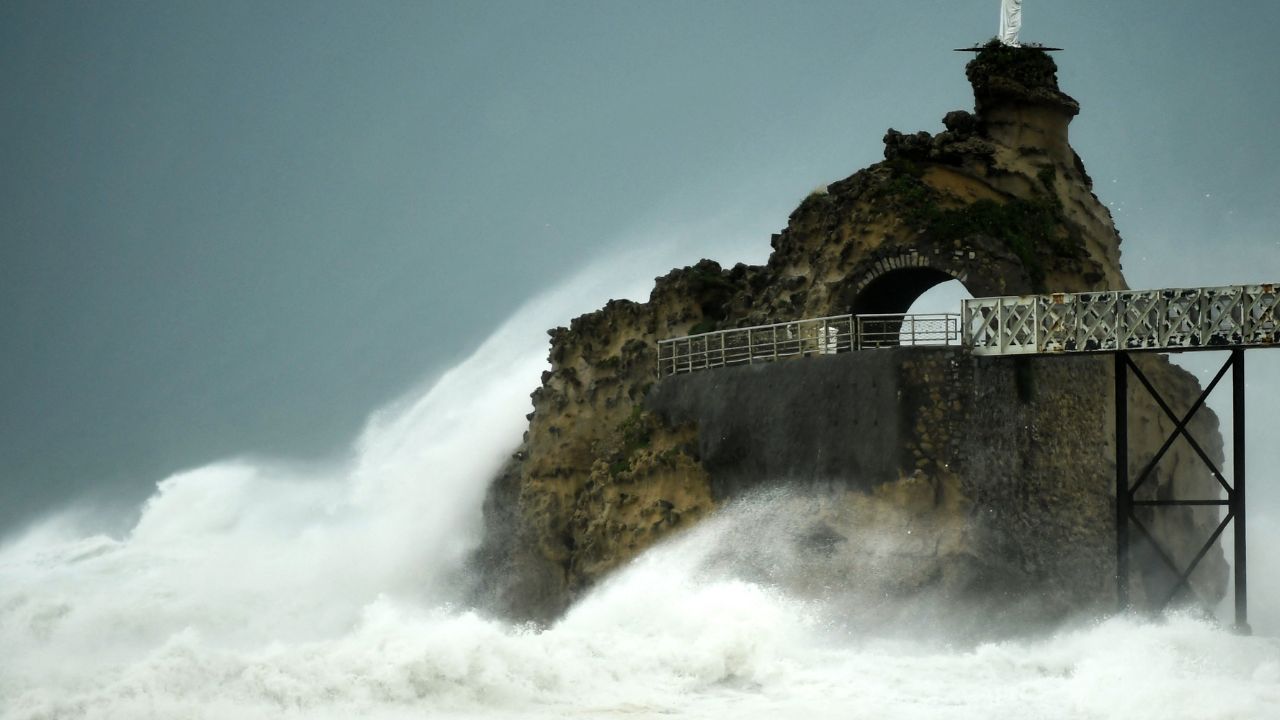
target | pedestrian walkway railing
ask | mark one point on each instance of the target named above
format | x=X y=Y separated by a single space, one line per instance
x=799 y=338
x=878 y=331
x=1171 y=319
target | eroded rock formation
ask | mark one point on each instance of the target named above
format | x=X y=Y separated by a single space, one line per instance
x=998 y=471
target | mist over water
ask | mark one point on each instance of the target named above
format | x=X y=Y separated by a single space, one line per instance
x=256 y=589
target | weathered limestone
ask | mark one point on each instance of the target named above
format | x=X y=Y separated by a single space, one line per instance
x=1001 y=468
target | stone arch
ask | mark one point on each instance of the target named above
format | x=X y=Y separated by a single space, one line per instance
x=892 y=284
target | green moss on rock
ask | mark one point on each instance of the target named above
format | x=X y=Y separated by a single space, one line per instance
x=1029 y=228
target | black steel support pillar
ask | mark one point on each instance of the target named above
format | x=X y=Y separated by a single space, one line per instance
x=1122 y=479
x=1237 y=496
x=1126 y=490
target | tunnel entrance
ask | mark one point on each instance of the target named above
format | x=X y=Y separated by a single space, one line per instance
x=894 y=292
x=910 y=306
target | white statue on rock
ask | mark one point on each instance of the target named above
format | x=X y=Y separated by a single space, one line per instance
x=1010 y=22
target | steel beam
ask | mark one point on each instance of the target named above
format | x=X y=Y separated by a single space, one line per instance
x=1237 y=497
x=1123 y=495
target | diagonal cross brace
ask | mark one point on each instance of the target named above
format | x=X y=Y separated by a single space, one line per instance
x=1181 y=425
x=1184 y=576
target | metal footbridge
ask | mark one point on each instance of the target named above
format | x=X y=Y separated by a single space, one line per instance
x=1120 y=323
x=1168 y=320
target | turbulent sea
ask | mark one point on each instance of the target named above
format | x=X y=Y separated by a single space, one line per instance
x=257 y=589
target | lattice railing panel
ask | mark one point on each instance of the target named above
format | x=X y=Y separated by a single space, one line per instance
x=1169 y=319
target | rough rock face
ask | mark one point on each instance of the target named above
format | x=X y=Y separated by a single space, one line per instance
x=610 y=464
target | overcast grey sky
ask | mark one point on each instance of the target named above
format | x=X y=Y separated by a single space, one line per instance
x=237 y=227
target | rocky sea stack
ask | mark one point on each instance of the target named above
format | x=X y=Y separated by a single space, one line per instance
x=932 y=472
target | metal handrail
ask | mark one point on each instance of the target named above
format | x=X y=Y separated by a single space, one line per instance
x=1172 y=319
x=898 y=330
x=799 y=338
x=758 y=343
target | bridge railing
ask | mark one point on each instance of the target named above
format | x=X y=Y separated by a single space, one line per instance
x=817 y=336
x=760 y=343
x=1169 y=319
x=877 y=331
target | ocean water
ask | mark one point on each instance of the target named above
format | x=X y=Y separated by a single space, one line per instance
x=261 y=589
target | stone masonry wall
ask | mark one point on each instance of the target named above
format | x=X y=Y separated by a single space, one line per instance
x=1018 y=454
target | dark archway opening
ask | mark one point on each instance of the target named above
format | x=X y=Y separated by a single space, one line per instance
x=930 y=297
x=896 y=290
